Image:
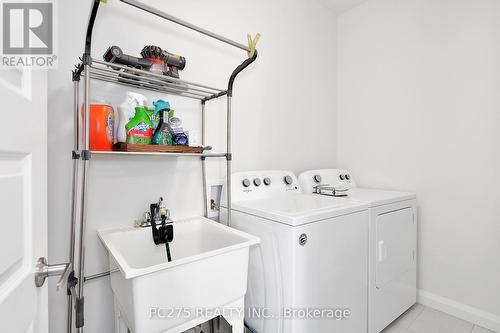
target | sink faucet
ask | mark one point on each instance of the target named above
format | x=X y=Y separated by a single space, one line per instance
x=330 y=190
x=159 y=214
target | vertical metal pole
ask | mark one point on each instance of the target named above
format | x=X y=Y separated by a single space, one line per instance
x=228 y=159
x=83 y=193
x=74 y=195
x=203 y=161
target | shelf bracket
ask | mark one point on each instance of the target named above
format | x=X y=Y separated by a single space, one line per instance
x=86 y=154
x=77 y=72
x=71 y=283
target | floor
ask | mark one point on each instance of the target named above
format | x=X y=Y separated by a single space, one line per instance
x=421 y=319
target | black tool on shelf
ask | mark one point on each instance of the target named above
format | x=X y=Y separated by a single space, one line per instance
x=115 y=54
x=173 y=62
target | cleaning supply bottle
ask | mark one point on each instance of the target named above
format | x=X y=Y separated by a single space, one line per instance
x=179 y=138
x=154 y=116
x=140 y=128
x=126 y=111
x=102 y=123
x=162 y=135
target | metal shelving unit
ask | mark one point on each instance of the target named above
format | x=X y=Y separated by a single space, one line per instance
x=93 y=69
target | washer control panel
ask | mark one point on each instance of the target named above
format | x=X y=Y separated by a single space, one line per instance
x=308 y=180
x=262 y=184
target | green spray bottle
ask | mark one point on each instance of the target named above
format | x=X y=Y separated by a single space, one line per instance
x=140 y=128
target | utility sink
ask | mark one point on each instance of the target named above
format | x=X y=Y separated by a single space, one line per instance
x=206 y=277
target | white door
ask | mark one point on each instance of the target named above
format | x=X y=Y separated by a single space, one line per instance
x=23 y=199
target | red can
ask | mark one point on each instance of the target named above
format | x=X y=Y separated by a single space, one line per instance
x=102 y=124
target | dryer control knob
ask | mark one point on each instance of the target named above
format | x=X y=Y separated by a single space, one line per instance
x=267 y=181
x=246 y=182
x=317 y=178
x=257 y=182
x=341 y=177
x=288 y=180
x=347 y=177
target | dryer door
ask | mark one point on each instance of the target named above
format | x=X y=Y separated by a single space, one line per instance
x=395 y=245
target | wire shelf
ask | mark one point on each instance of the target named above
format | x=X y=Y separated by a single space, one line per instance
x=130 y=153
x=137 y=78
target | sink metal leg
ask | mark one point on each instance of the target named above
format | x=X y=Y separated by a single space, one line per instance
x=237 y=318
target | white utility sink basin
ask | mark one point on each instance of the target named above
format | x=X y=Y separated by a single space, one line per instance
x=207 y=276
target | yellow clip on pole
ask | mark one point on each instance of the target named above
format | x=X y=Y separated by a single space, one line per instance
x=252 y=44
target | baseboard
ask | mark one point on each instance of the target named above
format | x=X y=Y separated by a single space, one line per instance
x=479 y=317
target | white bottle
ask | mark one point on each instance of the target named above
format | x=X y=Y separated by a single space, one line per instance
x=126 y=111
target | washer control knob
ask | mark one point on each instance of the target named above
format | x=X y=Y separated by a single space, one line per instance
x=347 y=176
x=246 y=183
x=341 y=177
x=267 y=181
x=317 y=178
x=288 y=180
x=257 y=182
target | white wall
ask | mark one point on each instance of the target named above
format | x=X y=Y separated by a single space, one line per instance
x=283 y=105
x=419 y=110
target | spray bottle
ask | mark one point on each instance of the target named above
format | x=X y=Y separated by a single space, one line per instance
x=126 y=111
x=140 y=128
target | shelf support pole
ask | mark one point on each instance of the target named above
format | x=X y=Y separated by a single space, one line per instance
x=90 y=28
x=79 y=319
x=229 y=156
x=203 y=161
x=74 y=191
x=228 y=159
x=183 y=23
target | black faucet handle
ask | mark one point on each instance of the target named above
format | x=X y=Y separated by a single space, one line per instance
x=154 y=208
x=166 y=233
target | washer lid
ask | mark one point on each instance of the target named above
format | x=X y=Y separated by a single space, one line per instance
x=296 y=208
x=378 y=197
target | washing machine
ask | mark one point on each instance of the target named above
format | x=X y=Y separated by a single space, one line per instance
x=309 y=272
x=392 y=267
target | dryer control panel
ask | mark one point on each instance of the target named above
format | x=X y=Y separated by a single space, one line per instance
x=254 y=185
x=310 y=180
